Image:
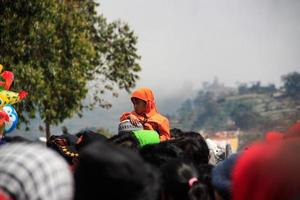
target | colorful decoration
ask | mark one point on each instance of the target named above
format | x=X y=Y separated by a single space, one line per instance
x=8 y=115
x=9 y=97
x=12 y=123
x=3 y=118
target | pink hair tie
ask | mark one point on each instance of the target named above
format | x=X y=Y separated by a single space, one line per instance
x=192 y=181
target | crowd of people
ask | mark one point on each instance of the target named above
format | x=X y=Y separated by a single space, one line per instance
x=146 y=161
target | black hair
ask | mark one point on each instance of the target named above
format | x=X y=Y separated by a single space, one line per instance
x=113 y=172
x=194 y=149
x=158 y=154
x=176 y=132
x=176 y=177
x=13 y=139
x=87 y=137
x=125 y=140
x=61 y=143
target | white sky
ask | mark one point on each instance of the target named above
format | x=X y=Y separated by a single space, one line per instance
x=186 y=42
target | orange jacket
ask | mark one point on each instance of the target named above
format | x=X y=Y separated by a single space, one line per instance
x=151 y=119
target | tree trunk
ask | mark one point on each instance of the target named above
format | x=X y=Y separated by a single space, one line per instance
x=48 y=134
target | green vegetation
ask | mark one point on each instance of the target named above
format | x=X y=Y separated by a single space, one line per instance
x=62 y=50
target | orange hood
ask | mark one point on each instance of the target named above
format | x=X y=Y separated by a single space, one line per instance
x=146 y=95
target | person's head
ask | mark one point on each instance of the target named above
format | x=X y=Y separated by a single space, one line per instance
x=176 y=133
x=115 y=173
x=139 y=105
x=158 y=154
x=64 y=145
x=221 y=177
x=143 y=101
x=194 y=149
x=87 y=137
x=31 y=171
x=181 y=181
x=125 y=140
x=268 y=171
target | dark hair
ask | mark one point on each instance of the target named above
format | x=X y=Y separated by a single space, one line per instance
x=13 y=139
x=64 y=145
x=158 y=154
x=125 y=140
x=115 y=173
x=176 y=176
x=87 y=137
x=194 y=149
x=176 y=132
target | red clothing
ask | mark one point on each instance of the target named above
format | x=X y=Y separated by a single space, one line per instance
x=151 y=119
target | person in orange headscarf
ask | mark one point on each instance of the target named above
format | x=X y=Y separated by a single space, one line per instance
x=146 y=113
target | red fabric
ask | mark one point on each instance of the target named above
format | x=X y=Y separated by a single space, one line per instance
x=151 y=119
x=3 y=118
x=272 y=136
x=22 y=95
x=4 y=196
x=268 y=171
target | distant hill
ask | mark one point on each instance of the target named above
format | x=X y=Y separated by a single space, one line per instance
x=255 y=107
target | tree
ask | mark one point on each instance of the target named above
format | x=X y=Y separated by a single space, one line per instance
x=61 y=50
x=291 y=83
x=209 y=114
x=243 y=114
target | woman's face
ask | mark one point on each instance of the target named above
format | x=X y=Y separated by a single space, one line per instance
x=139 y=105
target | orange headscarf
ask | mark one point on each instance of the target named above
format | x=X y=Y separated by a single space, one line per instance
x=152 y=116
x=146 y=95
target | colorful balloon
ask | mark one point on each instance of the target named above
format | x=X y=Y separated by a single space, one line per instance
x=12 y=123
x=9 y=97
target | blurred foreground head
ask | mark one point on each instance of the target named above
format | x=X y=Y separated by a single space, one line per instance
x=32 y=172
x=112 y=172
x=182 y=181
x=268 y=171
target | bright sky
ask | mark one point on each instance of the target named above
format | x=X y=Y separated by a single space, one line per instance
x=183 y=43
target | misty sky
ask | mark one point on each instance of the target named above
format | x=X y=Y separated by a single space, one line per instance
x=186 y=42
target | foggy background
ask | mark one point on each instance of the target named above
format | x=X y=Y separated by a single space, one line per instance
x=184 y=43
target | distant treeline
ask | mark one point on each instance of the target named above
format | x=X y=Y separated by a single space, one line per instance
x=247 y=107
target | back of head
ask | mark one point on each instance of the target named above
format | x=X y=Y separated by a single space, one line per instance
x=268 y=171
x=176 y=133
x=221 y=177
x=194 y=149
x=158 y=154
x=113 y=172
x=125 y=140
x=31 y=171
x=87 y=137
x=64 y=145
x=181 y=182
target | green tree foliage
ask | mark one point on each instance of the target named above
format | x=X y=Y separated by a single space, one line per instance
x=256 y=88
x=291 y=83
x=209 y=112
x=61 y=50
x=242 y=113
